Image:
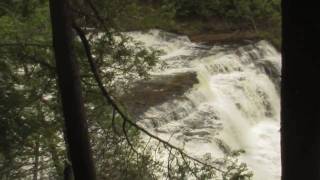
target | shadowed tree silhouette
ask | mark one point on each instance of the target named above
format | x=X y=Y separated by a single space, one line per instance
x=70 y=90
x=300 y=126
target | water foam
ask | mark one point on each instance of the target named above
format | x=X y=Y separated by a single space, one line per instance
x=236 y=101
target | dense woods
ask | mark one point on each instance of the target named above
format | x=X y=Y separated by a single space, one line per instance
x=260 y=18
x=38 y=119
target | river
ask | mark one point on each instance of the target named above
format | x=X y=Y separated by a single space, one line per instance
x=234 y=105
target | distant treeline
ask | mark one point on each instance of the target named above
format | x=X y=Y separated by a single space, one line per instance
x=262 y=17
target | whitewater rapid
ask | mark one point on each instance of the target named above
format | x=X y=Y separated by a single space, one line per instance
x=235 y=105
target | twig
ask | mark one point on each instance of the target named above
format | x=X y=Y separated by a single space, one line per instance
x=97 y=14
x=127 y=138
x=145 y=147
x=187 y=164
x=113 y=121
x=168 y=165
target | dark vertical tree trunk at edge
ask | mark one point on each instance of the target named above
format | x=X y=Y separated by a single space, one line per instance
x=300 y=94
x=70 y=90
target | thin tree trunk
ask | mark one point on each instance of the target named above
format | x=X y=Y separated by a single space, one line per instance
x=300 y=93
x=70 y=90
x=56 y=161
x=36 y=159
x=25 y=6
x=41 y=172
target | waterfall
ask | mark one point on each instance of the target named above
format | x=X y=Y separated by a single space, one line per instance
x=234 y=105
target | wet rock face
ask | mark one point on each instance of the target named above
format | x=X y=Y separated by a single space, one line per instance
x=157 y=90
x=272 y=71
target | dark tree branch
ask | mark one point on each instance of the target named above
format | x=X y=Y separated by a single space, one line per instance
x=169 y=164
x=187 y=164
x=97 y=14
x=127 y=138
x=112 y=102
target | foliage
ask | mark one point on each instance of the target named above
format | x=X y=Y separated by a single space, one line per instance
x=261 y=17
x=31 y=120
x=32 y=136
x=137 y=14
x=236 y=10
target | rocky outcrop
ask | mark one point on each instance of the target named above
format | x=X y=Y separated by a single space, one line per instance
x=157 y=90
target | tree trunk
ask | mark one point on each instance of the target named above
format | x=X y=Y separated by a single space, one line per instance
x=300 y=94
x=36 y=160
x=70 y=90
x=25 y=6
x=67 y=173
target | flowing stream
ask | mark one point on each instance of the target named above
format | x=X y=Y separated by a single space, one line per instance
x=234 y=105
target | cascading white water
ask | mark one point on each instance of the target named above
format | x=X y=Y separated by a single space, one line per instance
x=236 y=102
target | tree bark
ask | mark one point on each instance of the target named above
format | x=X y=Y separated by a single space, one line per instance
x=70 y=90
x=300 y=94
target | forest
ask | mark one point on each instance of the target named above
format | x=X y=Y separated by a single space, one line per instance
x=69 y=99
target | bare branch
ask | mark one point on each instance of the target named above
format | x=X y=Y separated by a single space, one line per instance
x=97 y=14
x=114 y=128
x=127 y=138
x=168 y=164
x=187 y=164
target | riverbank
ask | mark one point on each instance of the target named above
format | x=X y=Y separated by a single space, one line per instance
x=219 y=31
x=227 y=22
